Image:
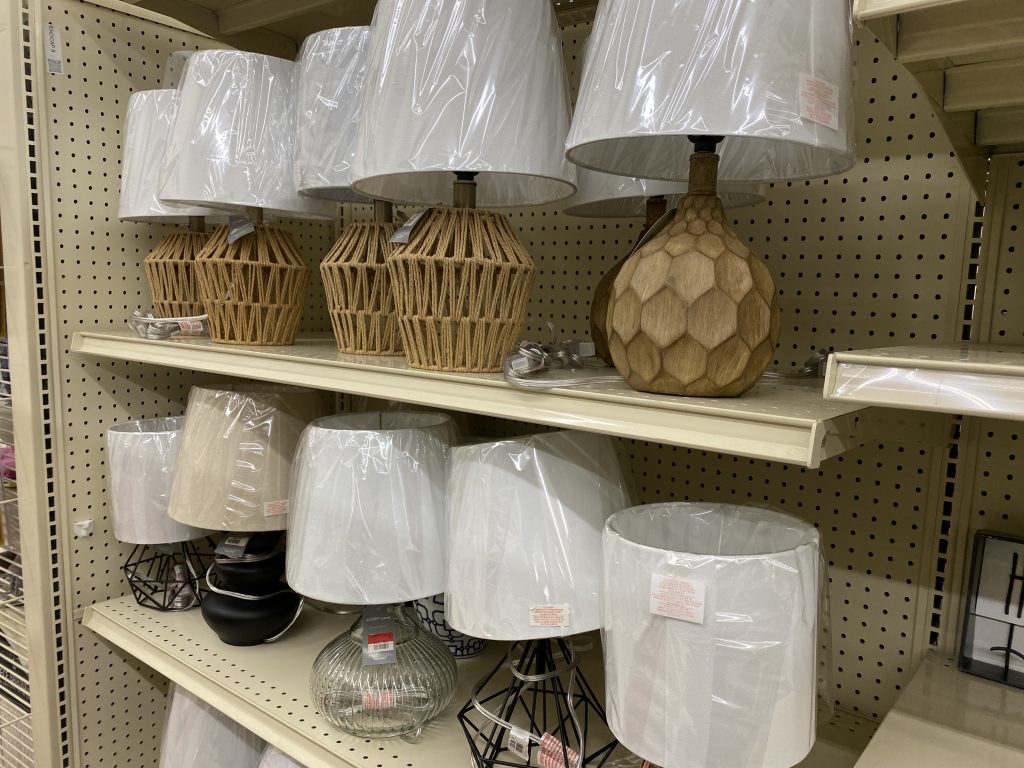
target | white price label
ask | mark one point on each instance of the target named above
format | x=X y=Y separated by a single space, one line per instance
x=677 y=598
x=819 y=101
x=519 y=743
x=54 y=50
x=549 y=616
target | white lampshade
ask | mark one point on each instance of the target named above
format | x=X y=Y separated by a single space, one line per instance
x=275 y=758
x=710 y=634
x=774 y=78
x=330 y=70
x=147 y=126
x=235 y=463
x=368 y=508
x=141 y=457
x=196 y=735
x=524 y=534
x=604 y=196
x=464 y=85
x=232 y=143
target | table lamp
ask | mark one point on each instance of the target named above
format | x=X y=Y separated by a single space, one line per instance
x=695 y=312
x=331 y=71
x=234 y=467
x=603 y=196
x=170 y=266
x=368 y=528
x=232 y=147
x=165 y=568
x=711 y=634
x=196 y=735
x=524 y=564
x=465 y=102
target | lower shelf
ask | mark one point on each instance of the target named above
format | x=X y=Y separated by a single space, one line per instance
x=266 y=689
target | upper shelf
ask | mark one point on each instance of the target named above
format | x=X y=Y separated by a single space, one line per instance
x=969 y=58
x=782 y=420
x=969 y=379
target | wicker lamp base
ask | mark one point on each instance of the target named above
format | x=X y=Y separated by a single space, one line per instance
x=253 y=289
x=358 y=289
x=461 y=287
x=171 y=274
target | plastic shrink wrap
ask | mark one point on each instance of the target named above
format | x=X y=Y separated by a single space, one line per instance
x=198 y=736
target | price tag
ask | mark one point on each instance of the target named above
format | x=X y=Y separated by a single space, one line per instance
x=519 y=743
x=553 y=753
x=549 y=616
x=404 y=232
x=191 y=327
x=378 y=637
x=677 y=598
x=275 y=508
x=655 y=229
x=819 y=101
x=233 y=546
x=54 y=50
x=239 y=227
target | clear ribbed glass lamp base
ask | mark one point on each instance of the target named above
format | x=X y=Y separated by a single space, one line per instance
x=388 y=699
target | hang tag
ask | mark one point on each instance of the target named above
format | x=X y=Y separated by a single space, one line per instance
x=378 y=637
x=819 y=101
x=553 y=753
x=656 y=228
x=404 y=233
x=549 y=616
x=676 y=598
x=239 y=227
x=54 y=50
x=375 y=700
x=519 y=743
x=233 y=546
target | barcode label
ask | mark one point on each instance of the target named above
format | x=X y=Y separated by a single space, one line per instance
x=54 y=50
x=519 y=743
x=378 y=636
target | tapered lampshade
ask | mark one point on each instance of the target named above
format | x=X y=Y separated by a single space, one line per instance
x=524 y=535
x=710 y=634
x=368 y=508
x=235 y=461
x=232 y=147
x=196 y=735
x=141 y=458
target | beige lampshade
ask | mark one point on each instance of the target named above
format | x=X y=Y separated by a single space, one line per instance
x=234 y=466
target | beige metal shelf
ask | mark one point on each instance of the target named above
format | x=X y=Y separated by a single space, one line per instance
x=947 y=719
x=782 y=420
x=972 y=379
x=266 y=689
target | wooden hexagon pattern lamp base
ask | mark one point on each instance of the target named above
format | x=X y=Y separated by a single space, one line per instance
x=694 y=312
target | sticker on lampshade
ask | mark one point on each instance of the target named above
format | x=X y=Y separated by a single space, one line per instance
x=819 y=101
x=275 y=508
x=549 y=616
x=675 y=598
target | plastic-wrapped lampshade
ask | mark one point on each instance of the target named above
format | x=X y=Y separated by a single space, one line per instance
x=710 y=634
x=235 y=463
x=232 y=143
x=330 y=71
x=603 y=196
x=147 y=126
x=141 y=457
x=775 y=79
x=476 y=86
x=274 y=758
x=368 y=508
x=524 y=534
x=196 y=735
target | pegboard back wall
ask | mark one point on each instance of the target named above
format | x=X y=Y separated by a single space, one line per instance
x=843 y=252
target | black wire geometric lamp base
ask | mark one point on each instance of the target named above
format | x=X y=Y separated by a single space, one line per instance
x=532 y=694
x=168 y=577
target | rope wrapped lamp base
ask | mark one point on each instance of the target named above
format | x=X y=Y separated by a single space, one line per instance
x=461 y=287
x=358 y=288
x=253 y=289
x=171 y=274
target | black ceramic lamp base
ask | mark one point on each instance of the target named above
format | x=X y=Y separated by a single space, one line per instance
x=168 y=577
x=531 y=693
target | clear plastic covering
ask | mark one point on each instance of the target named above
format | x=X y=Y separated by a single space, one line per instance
x=141 y=456
x=774 y=78
x=710 y=634
x=368 y=514
x=174 y=68
x=198 y=736
x=236 y=456
x=524 y=534
x=233 y=139
x=275 y=758
x=331 y=69
x=147 y=126
x=464 y=85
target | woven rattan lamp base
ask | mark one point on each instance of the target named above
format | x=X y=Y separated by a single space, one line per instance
x=170 y=271
x=358 y=288
x=461 y=287
x=253 y=289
